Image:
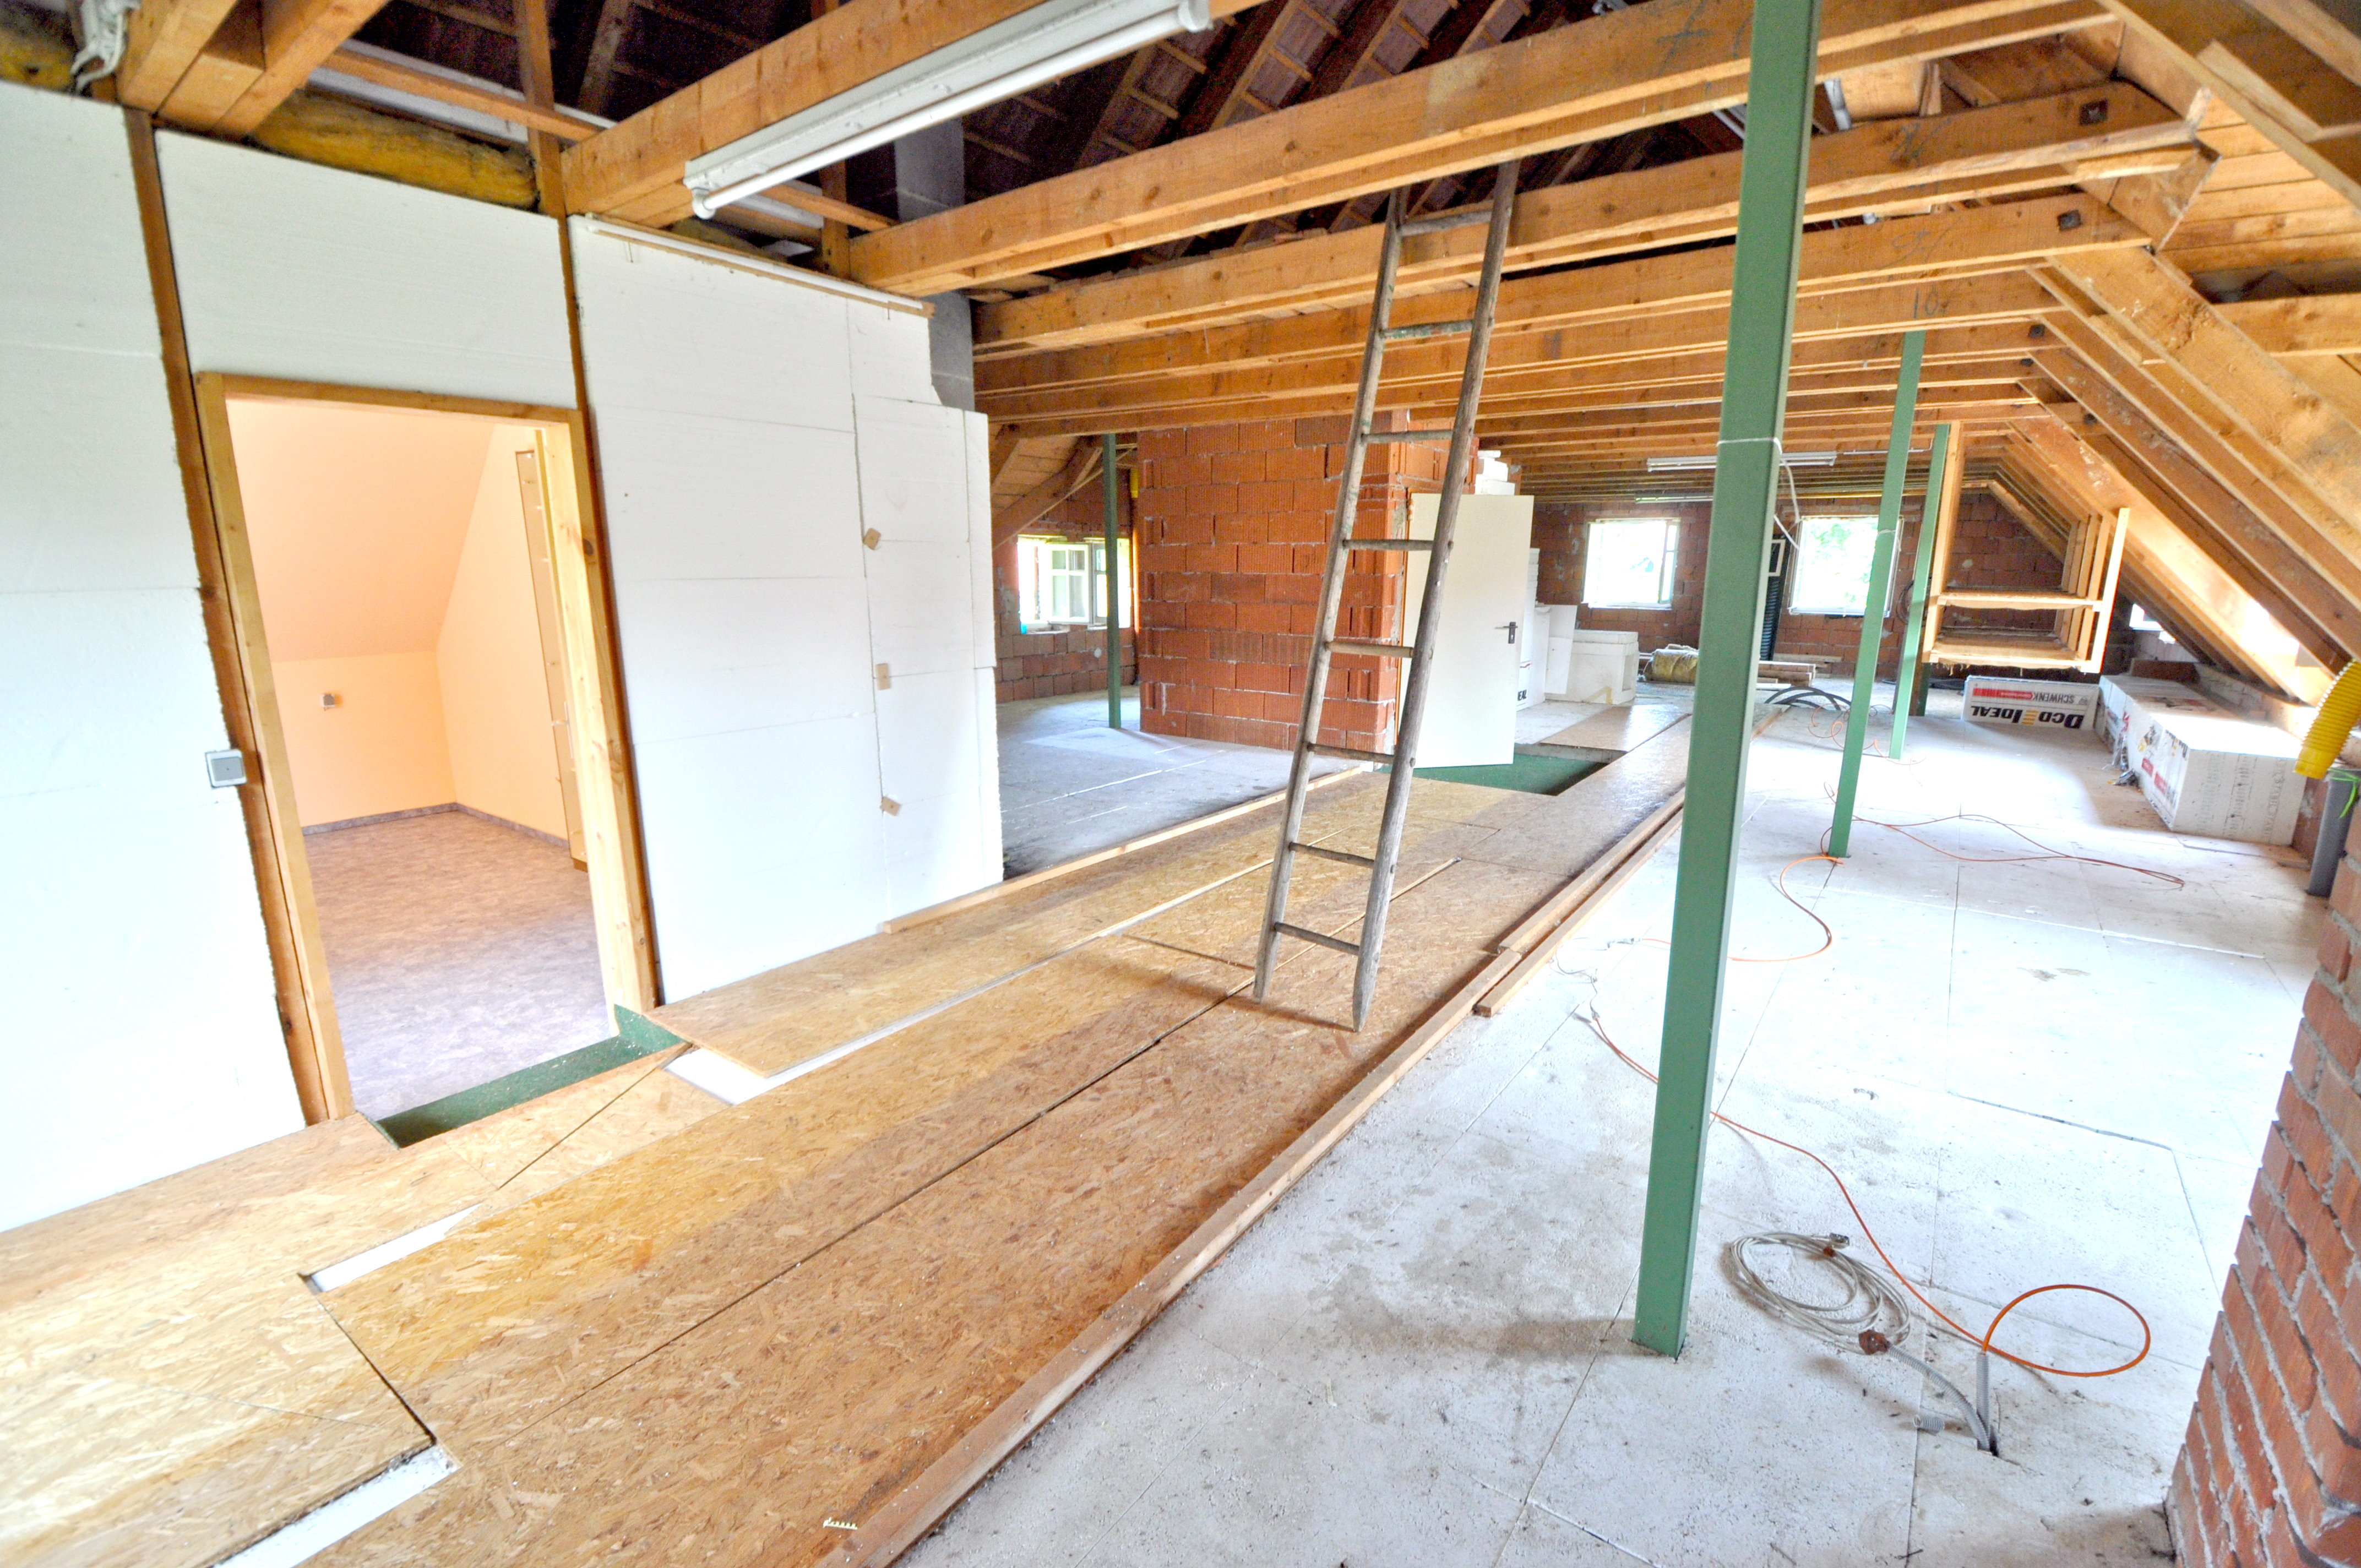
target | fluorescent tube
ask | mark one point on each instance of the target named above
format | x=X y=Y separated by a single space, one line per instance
x=1050 y=41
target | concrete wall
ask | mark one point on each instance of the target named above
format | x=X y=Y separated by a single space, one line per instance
x=2270 y=1472
x=144 y=1031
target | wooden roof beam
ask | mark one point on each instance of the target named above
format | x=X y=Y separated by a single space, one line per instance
x=1892 y=163
x=636 y=169
x=1592 y=79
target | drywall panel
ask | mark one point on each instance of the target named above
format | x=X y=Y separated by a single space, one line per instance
x=789 y=861
x=144 y=1034
x=927 y=575
x=723 y=404
x=712 y=340
x=383 y=747
x=304 y=273
x=495 y=687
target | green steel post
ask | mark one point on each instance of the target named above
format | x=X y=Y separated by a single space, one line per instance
x=1880 y=579
x=1905 y=676
x=1746 y=475
x=1109 y=490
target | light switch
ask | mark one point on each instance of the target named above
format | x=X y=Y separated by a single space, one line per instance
x=331 y=700
x=226 y=769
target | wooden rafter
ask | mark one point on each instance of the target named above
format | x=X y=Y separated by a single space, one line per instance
x=1989 y=152
x=1594 y=79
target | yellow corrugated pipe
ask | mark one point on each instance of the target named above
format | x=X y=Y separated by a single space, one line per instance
x=2339 y=711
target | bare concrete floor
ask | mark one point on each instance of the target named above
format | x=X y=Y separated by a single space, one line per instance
x=1069 y=784
x=459 y=951
x=2029 y=1071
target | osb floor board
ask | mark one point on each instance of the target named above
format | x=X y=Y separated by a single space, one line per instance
x=652 y=1107
x=508 y=1319
x=100 y=1472
x=171 y=1389
x=507 y=1144
x=770 y=1021
x=1621 y=728
x=1226 y=924
x=1568 y=831
x=821 y=1394
x=48 y=1253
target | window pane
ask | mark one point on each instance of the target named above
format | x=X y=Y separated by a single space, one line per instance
x=1629 y=563
x=1832 y=576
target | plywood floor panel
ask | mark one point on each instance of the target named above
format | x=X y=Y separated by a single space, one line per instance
x=819 y=1395
x=770 y=1021
x=105 y=1472
x=512 y=1318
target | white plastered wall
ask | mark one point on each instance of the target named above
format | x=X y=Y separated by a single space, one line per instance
x=751 y=428
x=144 y=1035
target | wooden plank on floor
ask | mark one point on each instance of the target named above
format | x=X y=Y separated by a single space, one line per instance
x=827 y=1392
x=1621 y=728
x=507 y=1322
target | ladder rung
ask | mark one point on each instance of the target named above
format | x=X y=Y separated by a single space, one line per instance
x=1393 y=437
x=1427 y=329
x=1342 y=857
x=1377 y=650
x=1298 y=932
x=1351 y=753
x=1389 y=545
x=1443 y=221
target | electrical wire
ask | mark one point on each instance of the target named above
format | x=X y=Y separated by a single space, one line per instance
x=1868 y=1304
x=1828 y=935
x=2047 y=852
x=1591 y=1020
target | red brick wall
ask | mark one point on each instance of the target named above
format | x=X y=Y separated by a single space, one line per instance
x=1057 y=663
x=1233 y=520
x=2270 y=1471
x=1994 y=551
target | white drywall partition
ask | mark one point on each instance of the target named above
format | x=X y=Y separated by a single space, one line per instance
x=751 y=616
x=930 y=632
x=303 y=273
x=723 y=405
x=144 y=1033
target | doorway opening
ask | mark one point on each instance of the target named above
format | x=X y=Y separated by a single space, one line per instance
x=444 y=837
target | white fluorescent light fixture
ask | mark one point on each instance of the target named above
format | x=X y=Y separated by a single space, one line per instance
x=1698 y=465
x=1037 y=45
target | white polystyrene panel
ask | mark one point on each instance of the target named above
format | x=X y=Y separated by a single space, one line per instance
x=714 y=497
x=927 y=744
x=890 y=356
x=763 y=847
x=724 y=409
x=922 y=607
x=70 y=250
x=914 y=470
x=136 y=954
x=714 y=654
x=704 y=338
x=988 y=851
x=293 y=270
x=983 y=626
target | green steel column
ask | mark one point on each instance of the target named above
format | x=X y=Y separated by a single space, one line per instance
x=1905 y=676
x=1109 y=490
x=1746 y=477
x=1881 y=578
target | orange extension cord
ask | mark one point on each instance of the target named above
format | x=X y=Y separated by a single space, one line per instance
x=1983 y=1342
x=1828 y=935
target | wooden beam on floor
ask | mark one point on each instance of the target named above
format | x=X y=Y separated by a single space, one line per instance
x=1610 y=74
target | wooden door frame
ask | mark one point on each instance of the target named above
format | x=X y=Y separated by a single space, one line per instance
x=602 y=747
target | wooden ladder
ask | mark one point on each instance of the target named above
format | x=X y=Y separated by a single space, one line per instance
x=1418 y=654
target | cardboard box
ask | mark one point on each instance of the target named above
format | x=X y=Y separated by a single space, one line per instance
x=2056 y=705
x=2205 y=770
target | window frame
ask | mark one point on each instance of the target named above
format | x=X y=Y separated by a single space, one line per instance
x=1036 y=577
x=1799 y=574
x=1667 y=566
